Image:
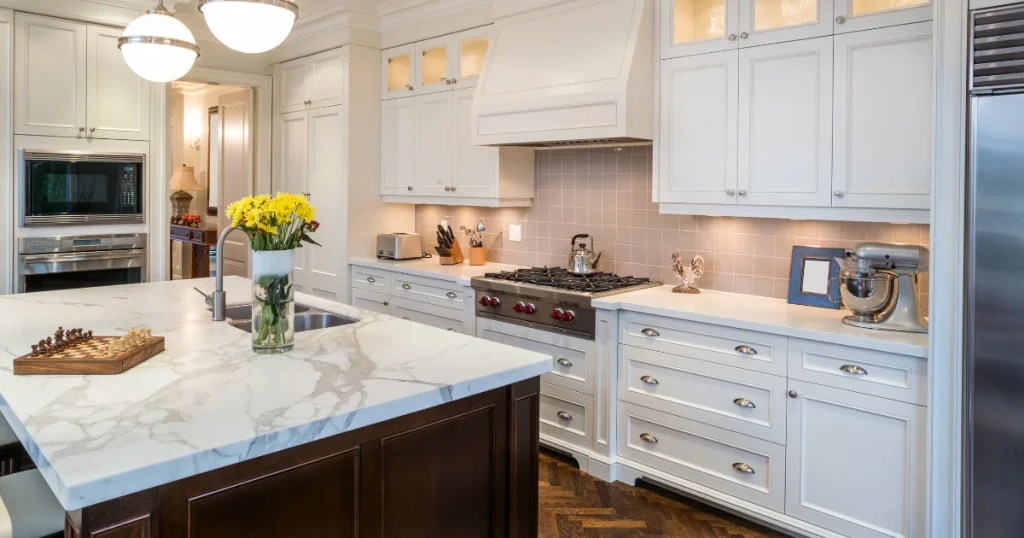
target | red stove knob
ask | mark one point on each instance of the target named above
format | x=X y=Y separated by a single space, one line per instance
x=530 y=309
x=495 y=302
x=568 y=316
x=519 y=307
x=556 y=314
x=485 y=301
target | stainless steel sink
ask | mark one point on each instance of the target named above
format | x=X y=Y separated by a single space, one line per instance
x=307 y=321
x=243 y=312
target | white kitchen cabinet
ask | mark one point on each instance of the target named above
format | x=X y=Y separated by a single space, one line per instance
x=472 y=166
x=857 y=15
x=855 y=464
x=429 y=301
x=293 y=169
x=398 y=72
x=777 y=21
x=117 y=99
x=882 y=118
x=690 y=27
x=398 y=146
x=469 y=50
x=433 y=139
x=434 y=65
x=315 y=81
x=699 y=129
x=441 y=64
x=785 y=122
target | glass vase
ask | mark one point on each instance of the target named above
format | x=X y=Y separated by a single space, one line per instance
x=273 y=301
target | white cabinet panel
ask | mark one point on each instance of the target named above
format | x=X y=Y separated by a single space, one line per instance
x=785 y=124
x=398 y=146
x=574 y=359
x=426 y=314
x=567 y=415
x=433 y=161
x=855 y=464
x=699 y=129
x=372 y=301
x=327 y=78
x=293 y=85
x=857 y=15
x=690 y=27
x=472 y=166
x=292 y=169
x=434 y=69
x=882 y=120
x=469 y=50
x=329 y=195
x=775 y=21
x=50 y=76
x=896 y=377
x=398 y=72
x=118 y=99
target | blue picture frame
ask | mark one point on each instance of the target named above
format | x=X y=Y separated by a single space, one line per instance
x=797 y=295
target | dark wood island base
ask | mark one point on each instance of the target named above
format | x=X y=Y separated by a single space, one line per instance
x=467 y=468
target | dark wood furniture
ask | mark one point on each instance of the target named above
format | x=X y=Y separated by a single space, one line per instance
x=201 y=239
x=467 y=468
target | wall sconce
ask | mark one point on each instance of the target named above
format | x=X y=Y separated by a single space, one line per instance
x=195 y=142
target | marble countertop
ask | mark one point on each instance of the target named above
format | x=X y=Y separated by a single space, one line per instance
x=764 y=314
x=432 y=268
x=208 y=401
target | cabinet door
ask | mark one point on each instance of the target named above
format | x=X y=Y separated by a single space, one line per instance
x=786 y=110
x=434 y=69
x=882 y=119
x=469 y=50
x=398 y=74
x=855 y=464
x=293 y=85
x=327 y=78
x=328 y=193
x=690 y=27
x=118 y=99
x=857 y=15
x=398 y=146
x=292 y=170
x=49 y=76
x=698 y=129
x=472 y=166
x=433 y=163
x=776 y=21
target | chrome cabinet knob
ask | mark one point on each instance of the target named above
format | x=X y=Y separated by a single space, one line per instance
x=370 y=279
x=386 y=303
x=447 y=189
x=451 y=295
x=564 y=362
x=840 y=20
x=650 y=332
x=746 y=350
x=407 y=319
x=453 y=189
x=839 y=194
x=406 y=287
x=853 y=369
x=409 y=87
x=649 y=380
x=732 y=37
x=564 y=416
x=730 y=192
x=743 y=402
x=741 y=193
x=81 y=129
x=648 y=438
x=409 y=188
x=744 y=35
x=92 y=129
x=743 y=468
x=455 y=81
x=793 y=394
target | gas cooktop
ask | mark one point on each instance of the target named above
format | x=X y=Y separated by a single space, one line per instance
x=561 y=279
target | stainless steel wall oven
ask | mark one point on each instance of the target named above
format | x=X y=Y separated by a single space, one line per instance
x=82 y=261
x=68 y=188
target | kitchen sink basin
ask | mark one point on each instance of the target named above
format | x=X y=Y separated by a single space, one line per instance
x=243 y=312
x=307 y=321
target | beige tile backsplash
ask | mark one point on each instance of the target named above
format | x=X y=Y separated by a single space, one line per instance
x=606 y=192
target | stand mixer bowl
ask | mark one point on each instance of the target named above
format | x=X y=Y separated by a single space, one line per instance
x=869 y=295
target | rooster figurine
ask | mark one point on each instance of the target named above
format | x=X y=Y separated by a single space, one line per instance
x=687 y=272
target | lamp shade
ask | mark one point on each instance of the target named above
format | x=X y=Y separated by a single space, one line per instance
x=158 y=47
x=184 y=179
x=250 y=26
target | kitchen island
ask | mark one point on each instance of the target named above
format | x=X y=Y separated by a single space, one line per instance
x=382 y=427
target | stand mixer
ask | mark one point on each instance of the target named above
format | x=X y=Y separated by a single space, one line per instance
x=879 y=288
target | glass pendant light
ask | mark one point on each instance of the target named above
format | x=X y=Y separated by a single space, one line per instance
x=157 y=46
x=250 y=26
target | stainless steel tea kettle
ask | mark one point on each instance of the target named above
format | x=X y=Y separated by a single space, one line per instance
x=582 y=260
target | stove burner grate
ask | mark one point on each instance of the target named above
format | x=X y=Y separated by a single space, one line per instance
x=562 y=279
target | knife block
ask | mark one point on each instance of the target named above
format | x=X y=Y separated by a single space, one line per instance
x=457 y=256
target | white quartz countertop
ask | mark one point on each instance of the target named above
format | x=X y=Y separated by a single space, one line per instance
x=432 y=268
x=764 y=314
x=208 y=401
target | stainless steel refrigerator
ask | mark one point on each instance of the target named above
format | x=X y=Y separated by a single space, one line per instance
x=994 y=466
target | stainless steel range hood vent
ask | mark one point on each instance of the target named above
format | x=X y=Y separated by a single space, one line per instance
x=588 y=143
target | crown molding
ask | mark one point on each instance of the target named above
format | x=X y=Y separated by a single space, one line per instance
x=398 y=13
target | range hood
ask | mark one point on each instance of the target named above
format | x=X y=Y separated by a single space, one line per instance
x=577 y=73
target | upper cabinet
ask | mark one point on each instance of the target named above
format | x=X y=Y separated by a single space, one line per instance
x=445 y=63
x=71 y=81
x=856 y=15
x=315 y=81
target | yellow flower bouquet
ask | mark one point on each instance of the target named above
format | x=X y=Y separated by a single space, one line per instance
x=276 y=227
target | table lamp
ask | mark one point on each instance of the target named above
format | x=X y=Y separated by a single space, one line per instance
x=184 y=178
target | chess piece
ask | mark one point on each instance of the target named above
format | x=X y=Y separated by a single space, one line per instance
x=35 y=350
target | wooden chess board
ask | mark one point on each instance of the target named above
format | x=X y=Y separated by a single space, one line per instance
x=89 y=358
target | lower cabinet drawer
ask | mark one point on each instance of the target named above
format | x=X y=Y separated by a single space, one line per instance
x=574 y=366
x=566 y=415
x=371 y=300
x=442 y=318
x=740 y=400
x=371 y=279
x=741 y=466
x=896 y=377
x=427 y=290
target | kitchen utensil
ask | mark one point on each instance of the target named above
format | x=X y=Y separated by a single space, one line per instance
x=582 y=260
x=477 y=255
x=481 y=227
x=879 y=290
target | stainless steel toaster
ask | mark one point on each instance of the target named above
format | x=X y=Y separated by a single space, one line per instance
x=399 y=246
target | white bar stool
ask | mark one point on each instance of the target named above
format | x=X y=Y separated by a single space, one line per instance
x=28 y=508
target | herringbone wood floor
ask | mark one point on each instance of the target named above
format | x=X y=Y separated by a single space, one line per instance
x=573 y=504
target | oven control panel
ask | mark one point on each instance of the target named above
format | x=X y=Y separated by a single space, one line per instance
x=129 y=197
x=538 y=312
x=80 y=243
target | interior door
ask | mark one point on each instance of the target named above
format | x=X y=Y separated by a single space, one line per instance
x=328 y=193
x=785 y=109
x=776 y=21
x=293 y=173
x=698 y=129
x=398 y=146
x=472 y=165
x=118 y=99
x=433 y=144
x=49 y=76
x=293 y=85
x=236 y=173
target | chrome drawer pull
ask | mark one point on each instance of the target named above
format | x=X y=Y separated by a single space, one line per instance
x=451 y=330
x=564 y=416
x=451 y=295
x=650 y=332
x=649 y=438
x=743 y=402
x=406 y=287
x=743 y=468
x=370 y=279
x=852 y=369
x=565 y=362
x=649 y=380
x=746 y=350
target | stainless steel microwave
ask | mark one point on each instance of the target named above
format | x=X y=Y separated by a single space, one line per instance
x=69 y=188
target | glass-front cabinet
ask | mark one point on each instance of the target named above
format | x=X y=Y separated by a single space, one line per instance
x=445 y=63
x=774 y=21
x=699 y=26
x=398 y=72
x=468 y=56
x=857 y=15
x=434 y=58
